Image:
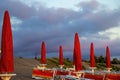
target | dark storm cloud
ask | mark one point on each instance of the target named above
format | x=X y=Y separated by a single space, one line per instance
x=57 y=26
x=17 y=9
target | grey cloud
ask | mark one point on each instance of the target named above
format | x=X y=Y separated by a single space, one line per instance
x=89 y=6
x=17 y=9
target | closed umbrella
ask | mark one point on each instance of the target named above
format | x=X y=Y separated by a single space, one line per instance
x=108 y=63
x=7 y=58
x=43 y=53
x=77 y=56
x=7 y=62
x=92 y=57
x=43 y=56
x=61 y=57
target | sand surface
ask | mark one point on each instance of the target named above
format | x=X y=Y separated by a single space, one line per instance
x=23 y=68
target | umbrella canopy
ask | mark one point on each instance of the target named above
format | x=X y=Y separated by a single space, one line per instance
x=7 y=63
x=77 y=54
x=43 y=53
x=60 y=55
x=108 y=63
x=92 y=57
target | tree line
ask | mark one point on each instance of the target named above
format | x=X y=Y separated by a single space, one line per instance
x=102 y=59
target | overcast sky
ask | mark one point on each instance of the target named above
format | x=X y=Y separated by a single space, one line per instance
x=57 y=21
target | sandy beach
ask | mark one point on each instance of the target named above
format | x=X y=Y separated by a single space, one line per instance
x=23 y=68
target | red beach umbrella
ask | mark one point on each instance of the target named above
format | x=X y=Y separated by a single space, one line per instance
x=92 y=57
x=43 y=53
x=61 y=55
x=108 y=63
x=7 y=62
x=77 y=54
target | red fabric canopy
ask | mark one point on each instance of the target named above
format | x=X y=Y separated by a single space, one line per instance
x=7 y=63
x=60 y=55
x=92 y=57
x=41 y=73
x=94 y=77
x=43 y=53
x=108 y=63
x=77 y=54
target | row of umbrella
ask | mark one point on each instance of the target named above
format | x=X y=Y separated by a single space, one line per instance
x=7 y=60
x=43 y=54
x=78 y=59
x=77 y=56
x=92 y=58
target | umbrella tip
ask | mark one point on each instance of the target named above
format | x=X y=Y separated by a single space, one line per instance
x=76 y=33
x=6 y=11
x=107 y=47
x=60 y=46
x=43 y=42
x=91 y=43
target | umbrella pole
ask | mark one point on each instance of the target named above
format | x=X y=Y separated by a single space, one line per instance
x=6 y=76
x=78 y=74
x=93 y=69
x=109 y=70
x=42 y=67
x=61 y=66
